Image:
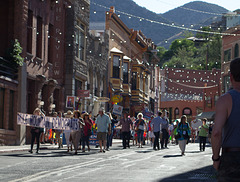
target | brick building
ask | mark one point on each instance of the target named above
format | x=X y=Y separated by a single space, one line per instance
x=131 y=66
x=189 y=92
x=14 y=21
x=230 y=50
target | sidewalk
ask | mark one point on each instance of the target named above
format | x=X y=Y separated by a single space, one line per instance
x=5 y=149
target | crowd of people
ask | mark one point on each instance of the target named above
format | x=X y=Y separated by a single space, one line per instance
x=158 y=131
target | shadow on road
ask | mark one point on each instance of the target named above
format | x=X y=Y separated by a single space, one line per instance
x=169 y=156
x=199 y=175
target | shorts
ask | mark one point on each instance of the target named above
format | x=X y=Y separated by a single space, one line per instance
x=151 y=134
x=102 y=136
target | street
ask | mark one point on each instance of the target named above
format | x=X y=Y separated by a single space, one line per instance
x=134 y=164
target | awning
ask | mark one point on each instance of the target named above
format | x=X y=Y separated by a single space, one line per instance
x=208 y=115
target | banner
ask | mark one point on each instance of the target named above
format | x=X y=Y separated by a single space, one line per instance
x=47 y=122
x=70 y=102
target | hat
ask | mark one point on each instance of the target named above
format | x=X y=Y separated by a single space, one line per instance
x=69 y=114
x=101 y=109
x=85 y=114
x=78 y=112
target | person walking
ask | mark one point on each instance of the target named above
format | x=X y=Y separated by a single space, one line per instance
x=151 y=135
x=87 y=131
x=140 y=123
x=126 y=124
x=110 y=136
x=156 y=126
x=183 y=130
x=67 y=133
x=226 y=129
x=76 y=135
x=165 y=133
x=35 y=132
x=203 y=134
x=103 y=124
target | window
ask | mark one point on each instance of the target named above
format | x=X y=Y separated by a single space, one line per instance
x=39 y=38
x=227 y=55
x=29 y=31
x=11 y=111
x=236 y=51
x=116 y=66
x=80 y=40
x=134 y=81
x=125 y=72
x=78 y=86
x=2 y=90
x=226 y=83
x=146 y=84
x=50 y=43
x=141 y=81
x=208 y=101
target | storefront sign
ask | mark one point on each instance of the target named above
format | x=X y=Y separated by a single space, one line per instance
x=83 y=93
x=117 y=109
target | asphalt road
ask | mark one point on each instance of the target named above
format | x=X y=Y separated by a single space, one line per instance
x=134 y=164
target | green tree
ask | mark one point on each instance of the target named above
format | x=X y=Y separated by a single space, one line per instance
x=13 y=54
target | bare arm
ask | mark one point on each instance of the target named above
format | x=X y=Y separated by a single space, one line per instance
x=222 y=114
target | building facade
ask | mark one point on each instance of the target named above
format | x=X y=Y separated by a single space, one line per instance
x=131 y=67
x=230 y=50
x=189 y=92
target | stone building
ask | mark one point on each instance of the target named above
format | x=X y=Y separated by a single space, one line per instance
x=97 y=56
x=76 y=66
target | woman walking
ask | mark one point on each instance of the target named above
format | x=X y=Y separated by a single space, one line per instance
x=140 y=123
x=76 y=135
x=87 y=131
x=68 y=132
x=183 y=131
x=35 y=132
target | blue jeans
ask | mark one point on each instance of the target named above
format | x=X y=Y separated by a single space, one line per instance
x=85 y=140
x=140 y=135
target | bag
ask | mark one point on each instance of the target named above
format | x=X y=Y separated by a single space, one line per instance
x=89 y=132
x=186 y=137
x=177 y=136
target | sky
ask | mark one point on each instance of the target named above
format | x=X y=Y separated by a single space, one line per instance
x=162 y=6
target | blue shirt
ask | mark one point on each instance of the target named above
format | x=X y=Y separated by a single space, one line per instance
x=156 y=122
x=102 y=123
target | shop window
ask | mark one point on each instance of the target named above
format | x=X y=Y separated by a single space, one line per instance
x=125 y=72
x=236 y=51
x=116 y=66
x=39 y=38
x=80 y=40
x=208 y=101
x=2 y=90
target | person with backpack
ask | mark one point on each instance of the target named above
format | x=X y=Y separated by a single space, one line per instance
x=183 y=133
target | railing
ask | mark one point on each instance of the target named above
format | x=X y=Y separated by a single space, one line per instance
x=6 y=69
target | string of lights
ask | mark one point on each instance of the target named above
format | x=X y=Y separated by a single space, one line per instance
x=166 y=24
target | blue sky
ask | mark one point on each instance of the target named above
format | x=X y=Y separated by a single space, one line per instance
x=162 y=6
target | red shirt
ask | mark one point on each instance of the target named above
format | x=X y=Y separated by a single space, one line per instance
x=87 y=127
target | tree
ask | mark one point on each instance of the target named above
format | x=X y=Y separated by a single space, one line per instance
x=13 y=54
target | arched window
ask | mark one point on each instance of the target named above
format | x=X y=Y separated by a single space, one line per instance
x=236 y=51
x=187 y=111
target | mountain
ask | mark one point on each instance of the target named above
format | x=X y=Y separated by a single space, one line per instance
x=157 y=32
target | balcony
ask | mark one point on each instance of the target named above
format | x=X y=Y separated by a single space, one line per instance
x=7 y=70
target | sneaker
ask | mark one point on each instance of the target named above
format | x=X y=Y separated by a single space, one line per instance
x=37 y=152
x=103 y=151
x=30 y=151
